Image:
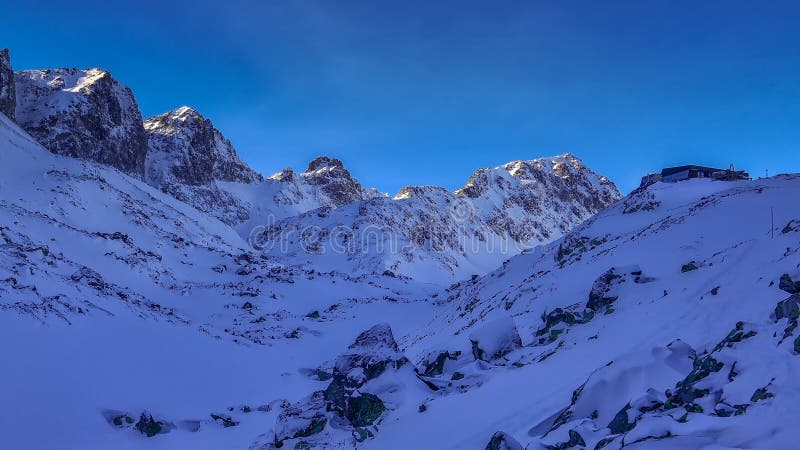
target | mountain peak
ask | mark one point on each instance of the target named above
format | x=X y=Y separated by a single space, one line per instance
x=82 y=113
x=184 y=113
x=186 y=148
x=553 y=191
x=324 y=162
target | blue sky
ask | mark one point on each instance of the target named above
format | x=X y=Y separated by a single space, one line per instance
x=425 y=92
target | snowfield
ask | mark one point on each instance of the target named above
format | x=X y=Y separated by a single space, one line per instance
x=132 y=320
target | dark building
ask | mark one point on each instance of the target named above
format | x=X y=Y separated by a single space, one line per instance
x=672 y=174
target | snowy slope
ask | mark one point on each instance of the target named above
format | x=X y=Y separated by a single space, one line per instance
x=665 y=321
x=652 y=327
x=136 y=301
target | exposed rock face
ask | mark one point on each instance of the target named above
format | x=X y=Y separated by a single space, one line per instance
x=186 y=148
x=334 y=181
x=188 y=155
x=83 y=113
x=8 y=100
x=555 y=193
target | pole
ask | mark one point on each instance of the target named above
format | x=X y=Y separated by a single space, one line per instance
x=772 y=220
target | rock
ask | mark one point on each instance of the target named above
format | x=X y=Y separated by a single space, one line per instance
x=761 y=394
x=188 y=156
x=224 y=420
x=559 y=316
x=575 y=441
x=503 y=441
x=602 y=294
x=329 y=176
x=649 y=180
x=186 y=148
x=495 y=339
x=82 y=113
x=738 y=334
x=148 y=426
x=789 y=285
x=301 y=420
x=689 y=267
x=123 y=420
x=560 y=185
x=436 y=365
x=620 y=422
x=364 y=409
x=792 y=225
x=370 y=355
x=90 y=278
x=8 y=97
x=789 y=308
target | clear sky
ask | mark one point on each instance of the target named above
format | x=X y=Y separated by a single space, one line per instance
x=409 y=92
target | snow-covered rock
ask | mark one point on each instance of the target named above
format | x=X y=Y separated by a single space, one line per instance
x=82 y=113
x=8 y=98
x=540 y=199
x=431 y=234
x=495 y=339
x=333 y=182
x=188 y=157
x=186 y=148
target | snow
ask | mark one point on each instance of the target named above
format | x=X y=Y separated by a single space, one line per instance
x=115 y=296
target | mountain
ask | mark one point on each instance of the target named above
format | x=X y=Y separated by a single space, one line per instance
x=82 y=113
x=8 y=97
x=105 y=272
x=196 y=304
x=186 y=148
x=89 y=115
x=333 y=182
x=428 y=233
x=540 y=199
x=191 y=160
x=187 y=157
x=668 y=320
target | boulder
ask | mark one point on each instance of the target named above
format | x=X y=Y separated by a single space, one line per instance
x=149 y=426
x=302 y=420
x=788 y=308
x=495 y=339
x=370 y=355
x=787 y=284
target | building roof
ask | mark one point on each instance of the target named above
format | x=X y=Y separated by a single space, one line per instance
x=673 y=170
